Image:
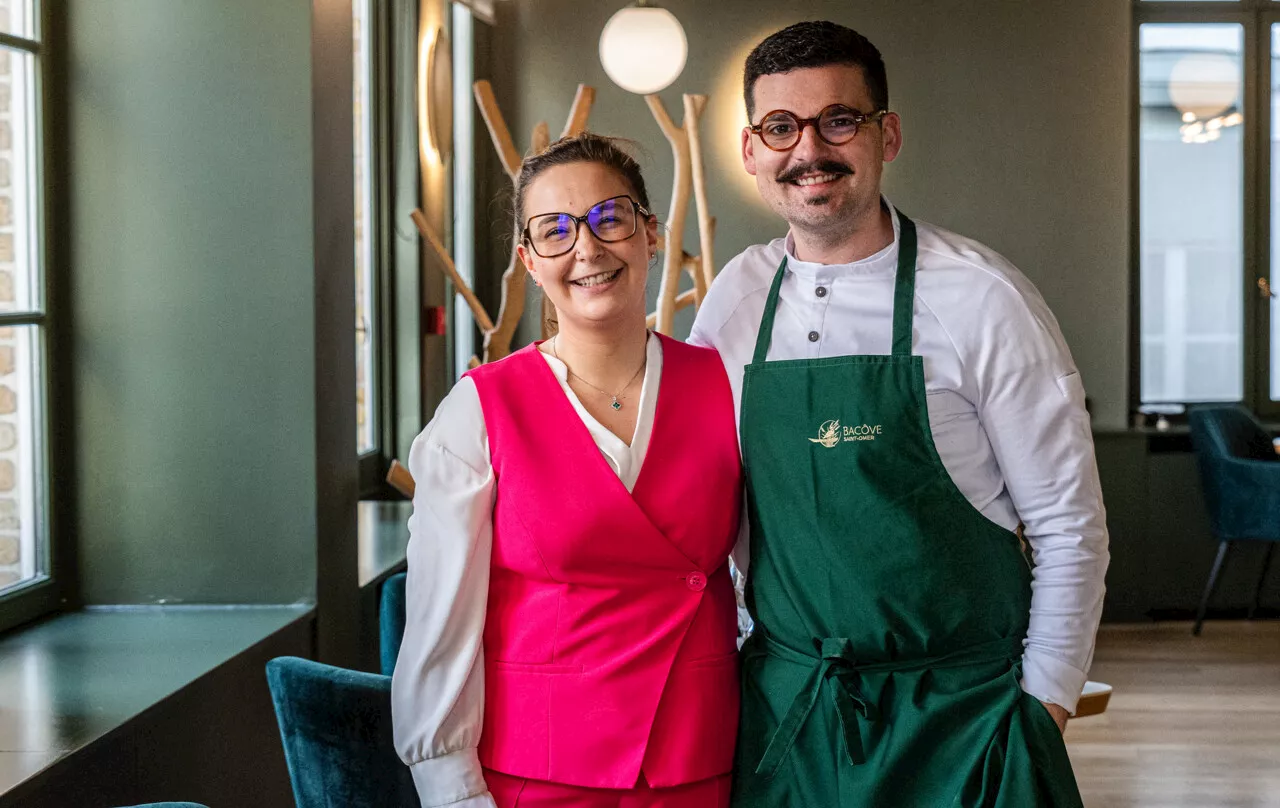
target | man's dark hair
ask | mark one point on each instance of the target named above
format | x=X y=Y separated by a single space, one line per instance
x=815 y=44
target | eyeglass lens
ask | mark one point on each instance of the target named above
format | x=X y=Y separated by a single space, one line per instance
x=555 y=233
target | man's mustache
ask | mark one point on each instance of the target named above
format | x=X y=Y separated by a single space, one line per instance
x=820 y=167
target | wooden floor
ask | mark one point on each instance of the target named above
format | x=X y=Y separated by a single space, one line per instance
x=1194 y=721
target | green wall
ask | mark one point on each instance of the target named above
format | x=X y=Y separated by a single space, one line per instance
x=191 y=284
x=1015 y=117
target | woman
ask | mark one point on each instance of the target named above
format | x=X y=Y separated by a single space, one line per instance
x=571 y=634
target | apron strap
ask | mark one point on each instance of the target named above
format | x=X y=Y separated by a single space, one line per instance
x=904 y=293
x=904 y=287
x=765 y=335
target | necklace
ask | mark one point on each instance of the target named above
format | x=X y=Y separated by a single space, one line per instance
x=617 y=405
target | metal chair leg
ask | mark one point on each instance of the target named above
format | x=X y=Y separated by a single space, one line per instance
x=1262 y=579
x=1210 y=586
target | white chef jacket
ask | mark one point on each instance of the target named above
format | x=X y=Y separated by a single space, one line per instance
x=1006 y=405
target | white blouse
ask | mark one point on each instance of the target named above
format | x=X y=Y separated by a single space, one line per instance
x=1006 y=405
x=437 y=691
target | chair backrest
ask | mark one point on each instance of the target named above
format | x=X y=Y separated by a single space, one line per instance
x=1221 y=435
x=336 y=729
x=391 y=611
x=1230 y=432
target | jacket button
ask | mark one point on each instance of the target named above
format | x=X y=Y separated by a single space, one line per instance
x=813 y=336
x=821 y=291
x=696 y=581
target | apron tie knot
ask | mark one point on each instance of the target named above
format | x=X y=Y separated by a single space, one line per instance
x=836 y=649
x=838 y=671
x=851 y=705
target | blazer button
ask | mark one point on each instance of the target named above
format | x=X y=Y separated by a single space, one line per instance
x=696 y=581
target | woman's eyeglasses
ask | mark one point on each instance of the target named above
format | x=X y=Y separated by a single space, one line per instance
x=614 y=219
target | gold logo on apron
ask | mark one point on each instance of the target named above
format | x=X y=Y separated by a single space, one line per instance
x=831 y=433
x=828 y=434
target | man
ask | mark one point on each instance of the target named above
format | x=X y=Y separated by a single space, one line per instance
x=905 y=399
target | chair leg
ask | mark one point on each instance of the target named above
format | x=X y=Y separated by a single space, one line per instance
x=1262 y=579
x=1211 y=585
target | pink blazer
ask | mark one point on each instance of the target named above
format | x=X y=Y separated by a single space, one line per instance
x=610 y=637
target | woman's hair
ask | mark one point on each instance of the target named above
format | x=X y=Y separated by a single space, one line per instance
x=584 y=148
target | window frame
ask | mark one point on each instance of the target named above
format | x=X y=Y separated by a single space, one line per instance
x=1258 y=316
x=1255 y=18
x=375 y=463
x=57 y=589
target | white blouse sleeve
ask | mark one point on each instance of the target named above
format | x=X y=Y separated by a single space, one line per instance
x=437 y=691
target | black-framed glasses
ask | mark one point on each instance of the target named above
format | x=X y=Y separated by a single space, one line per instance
x=780 y=130
x=614 y=219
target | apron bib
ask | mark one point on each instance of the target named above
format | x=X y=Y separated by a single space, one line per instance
x=890 y=613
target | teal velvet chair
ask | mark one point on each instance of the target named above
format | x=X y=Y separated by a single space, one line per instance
x=336 y=729
x=391 y=611
x=1240 y=473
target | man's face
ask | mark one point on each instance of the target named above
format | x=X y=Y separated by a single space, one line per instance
x=848 y=175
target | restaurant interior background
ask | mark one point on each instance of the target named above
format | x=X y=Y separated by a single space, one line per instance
x=222 y=323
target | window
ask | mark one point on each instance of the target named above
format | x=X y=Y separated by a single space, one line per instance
x=464 y=179
x=24 y=538
x=371 y=26
x=1191 y=198
x=1204 y=220
x=367 y=371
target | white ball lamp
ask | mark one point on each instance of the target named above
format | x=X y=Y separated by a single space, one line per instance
x=1203 y=85
x=643 y=48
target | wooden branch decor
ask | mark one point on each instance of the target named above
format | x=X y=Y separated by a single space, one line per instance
x=497 y=336
x=690 y=179
x=400 y=479
x=706 y=222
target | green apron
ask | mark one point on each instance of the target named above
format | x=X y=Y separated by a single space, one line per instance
x=890 y=613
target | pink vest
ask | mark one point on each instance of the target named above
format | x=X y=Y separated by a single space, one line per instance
x=609 y=643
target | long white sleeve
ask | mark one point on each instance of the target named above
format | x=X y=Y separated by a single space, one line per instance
x=437 y=691
x=1030 y=402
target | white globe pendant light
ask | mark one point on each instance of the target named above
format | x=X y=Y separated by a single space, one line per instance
x=1203 y=85
x=643 y=48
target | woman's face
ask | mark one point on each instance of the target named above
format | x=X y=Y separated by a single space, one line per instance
x=596 y=282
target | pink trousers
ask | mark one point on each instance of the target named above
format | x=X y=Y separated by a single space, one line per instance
x=520 y=792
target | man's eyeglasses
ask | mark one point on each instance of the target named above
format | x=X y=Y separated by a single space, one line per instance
x=614 y=219
x=780 y=130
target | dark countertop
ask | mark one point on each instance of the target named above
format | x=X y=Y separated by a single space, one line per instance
x=69 y=681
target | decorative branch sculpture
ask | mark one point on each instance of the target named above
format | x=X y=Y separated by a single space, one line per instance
x=690 y=177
